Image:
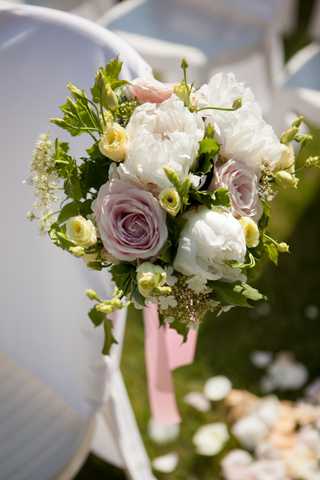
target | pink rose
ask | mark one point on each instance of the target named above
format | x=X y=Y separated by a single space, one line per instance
x=242 y=183
x=150 y=90
x=130 y=221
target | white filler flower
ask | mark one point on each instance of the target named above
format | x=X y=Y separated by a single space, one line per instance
x=217 y=388
x=243 y=133
x=210 y=439
x=208 y=241
x=161 y=135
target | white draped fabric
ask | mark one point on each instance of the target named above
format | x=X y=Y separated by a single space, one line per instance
x=53 y=378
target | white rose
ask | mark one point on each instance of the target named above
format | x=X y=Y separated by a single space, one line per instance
x=243 y=133
x=81 y=231
x=161 y=135
x=208 y=241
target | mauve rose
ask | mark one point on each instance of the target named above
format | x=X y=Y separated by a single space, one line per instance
x=130 y=221
x=242 y=183
x=150 y=90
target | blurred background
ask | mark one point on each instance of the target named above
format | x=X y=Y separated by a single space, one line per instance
x=274 y=46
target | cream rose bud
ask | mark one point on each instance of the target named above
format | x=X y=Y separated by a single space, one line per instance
x=81 y=231
x=251 y=231
x=170 y=201
x=208 y=242
x=287 y=160
x=149 y=277
x=113 y=143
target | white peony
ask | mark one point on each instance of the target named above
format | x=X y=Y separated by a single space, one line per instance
x=161 y=135
x=208 y=241
x=243 y=133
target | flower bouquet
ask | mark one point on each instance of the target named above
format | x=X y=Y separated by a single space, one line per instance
x=173 y=195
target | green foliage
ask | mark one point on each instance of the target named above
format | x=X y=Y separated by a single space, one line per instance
x=69 y=210
x=78 y=115
x=58 y=236
x=208 y=150
x=94 y=171
x=271 y=252
x=67 y=169
x=237 y=294
x=182 y=186
x=124 y=276
x=107 y=76
x=109 y=339
x=218 y=198
x=96 y=317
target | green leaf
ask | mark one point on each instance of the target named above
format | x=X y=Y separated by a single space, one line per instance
x=96 y=317
x=124 y=275
x=222 y=197
x=208 y=150
x=272 y=252
x=58 y=236
x=69 y=210
x=109 y=339
x=94 y=171
x=204 y=197
x=107 y=76
x=227 y=294
x=183 y=187
x=249 y=292
x=78 y=115
x=72 y=187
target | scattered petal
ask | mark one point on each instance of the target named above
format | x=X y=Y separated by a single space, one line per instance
x=166 y=463
x=312 y=312
x=217 y=388
x=250 y=431
x=261 y=359
x=198 y=401
x=210 y=439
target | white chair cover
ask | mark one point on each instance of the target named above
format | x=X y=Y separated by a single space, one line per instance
x=53 y=378
x=300 y=89
x=208 y=34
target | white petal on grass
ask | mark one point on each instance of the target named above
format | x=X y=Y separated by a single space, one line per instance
x=311 y=312
x=217 y=388
x=166 y=463
x=285 y=373
x=162 y=434
x=198 y=401
x=261 y=359
x=210 y=439
x=250 y=431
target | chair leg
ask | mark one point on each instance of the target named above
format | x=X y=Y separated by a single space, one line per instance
x=119 y=420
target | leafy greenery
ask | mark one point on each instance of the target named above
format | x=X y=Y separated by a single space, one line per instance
x=182 y=186
x=208 y=151
x=237 y=294
x=124 y=276
x=218 y=198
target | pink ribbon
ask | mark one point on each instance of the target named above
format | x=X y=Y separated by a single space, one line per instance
x=164 y=351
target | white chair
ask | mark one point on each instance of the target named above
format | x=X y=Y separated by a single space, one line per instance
x=315 y=21
x=299 y=91
x=209 y=34
x=53 y=379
